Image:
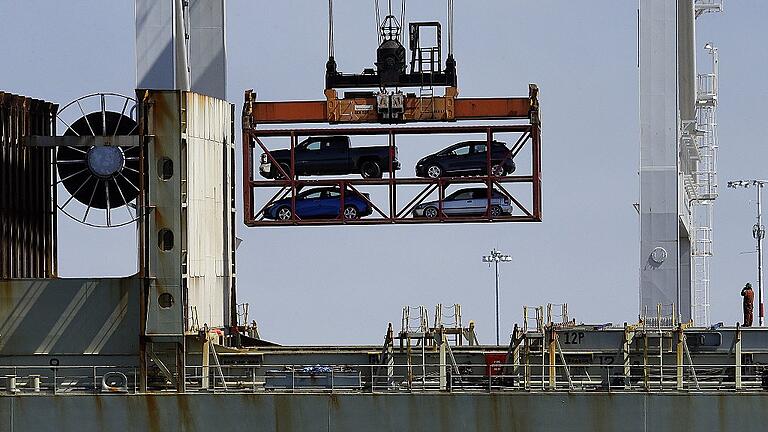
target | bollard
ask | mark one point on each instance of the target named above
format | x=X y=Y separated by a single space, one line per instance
x=12 y=384
x=35 y=383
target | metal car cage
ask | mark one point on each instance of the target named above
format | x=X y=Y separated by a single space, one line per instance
x=524 y=110
x=290 y=184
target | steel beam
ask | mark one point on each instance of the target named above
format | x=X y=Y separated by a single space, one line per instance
x=296 y=112
x=83 y=141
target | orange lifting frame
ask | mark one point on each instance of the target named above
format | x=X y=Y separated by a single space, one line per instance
x=256 y=112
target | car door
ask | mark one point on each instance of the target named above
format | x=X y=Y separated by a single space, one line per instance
x=309 y=156
x=331 y=203
x=479 y=203
x=308 y=205
x=335 y=155
x=457 y=203
x=458 y=159
x=479 y=158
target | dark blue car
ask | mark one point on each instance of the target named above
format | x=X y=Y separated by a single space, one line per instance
x=321 y=203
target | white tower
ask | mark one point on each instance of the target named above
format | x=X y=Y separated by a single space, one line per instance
x=677 y=161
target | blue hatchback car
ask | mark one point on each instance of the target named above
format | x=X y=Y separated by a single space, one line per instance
x=321 y=203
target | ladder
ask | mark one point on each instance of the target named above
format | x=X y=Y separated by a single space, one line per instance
x=427 y=90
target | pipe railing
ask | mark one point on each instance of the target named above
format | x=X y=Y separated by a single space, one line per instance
x=400 y=378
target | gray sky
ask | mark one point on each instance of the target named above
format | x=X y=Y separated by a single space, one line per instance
x=343 y=284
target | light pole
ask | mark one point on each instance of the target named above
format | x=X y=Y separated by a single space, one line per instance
x=496 y=257
x=758 y=232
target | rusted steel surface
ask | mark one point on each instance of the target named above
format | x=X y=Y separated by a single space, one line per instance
x=402 y=413
x=192 y=204
x=317 y=111
x=492 y=108
x=362 y=109
x=405 y=130
x=290 y=112
x=536 y=143
x=27 y=198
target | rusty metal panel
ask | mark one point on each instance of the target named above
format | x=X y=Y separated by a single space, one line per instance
x=162 y=134
x=554 y=411
x=192 y=205
x=317 y=112
x=492 y=108
x=362 y=109
x=54 y=317
x=27 y=201
x=290 y=112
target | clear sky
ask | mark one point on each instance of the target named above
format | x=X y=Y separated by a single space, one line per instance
x=343 y=284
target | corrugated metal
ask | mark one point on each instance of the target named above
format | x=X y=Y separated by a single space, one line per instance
x=27 y=209
x=209 y=140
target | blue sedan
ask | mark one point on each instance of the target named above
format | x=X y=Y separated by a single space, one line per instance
x=321 y=203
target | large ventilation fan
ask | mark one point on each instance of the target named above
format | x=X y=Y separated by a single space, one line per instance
x=101 y=181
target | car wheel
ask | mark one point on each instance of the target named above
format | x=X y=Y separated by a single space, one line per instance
x=430 y=212
x=511 y=168
x=495 y=211
x=497 y=170
x=284 y=213
x=434 y=171
x=370 y=169
x=350 y=213
x=279 y=175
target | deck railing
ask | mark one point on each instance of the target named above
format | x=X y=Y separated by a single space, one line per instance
x=461 y=378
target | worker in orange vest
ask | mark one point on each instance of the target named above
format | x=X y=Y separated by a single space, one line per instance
x=749 y=304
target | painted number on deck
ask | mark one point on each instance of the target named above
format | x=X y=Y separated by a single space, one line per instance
x=573 y=338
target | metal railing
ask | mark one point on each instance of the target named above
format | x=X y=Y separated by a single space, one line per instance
x=478 y=378
x=706 y=88
x=68 y=379
x=468 y=378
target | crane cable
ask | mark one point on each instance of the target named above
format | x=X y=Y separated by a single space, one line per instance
x=402 y=24
x=450 y=28
x=378 y=22
x=330 y=28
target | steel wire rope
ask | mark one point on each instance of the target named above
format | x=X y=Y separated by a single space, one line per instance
x=450 y=27
x=402 y=23
x=378 y=22
x=330 y=29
